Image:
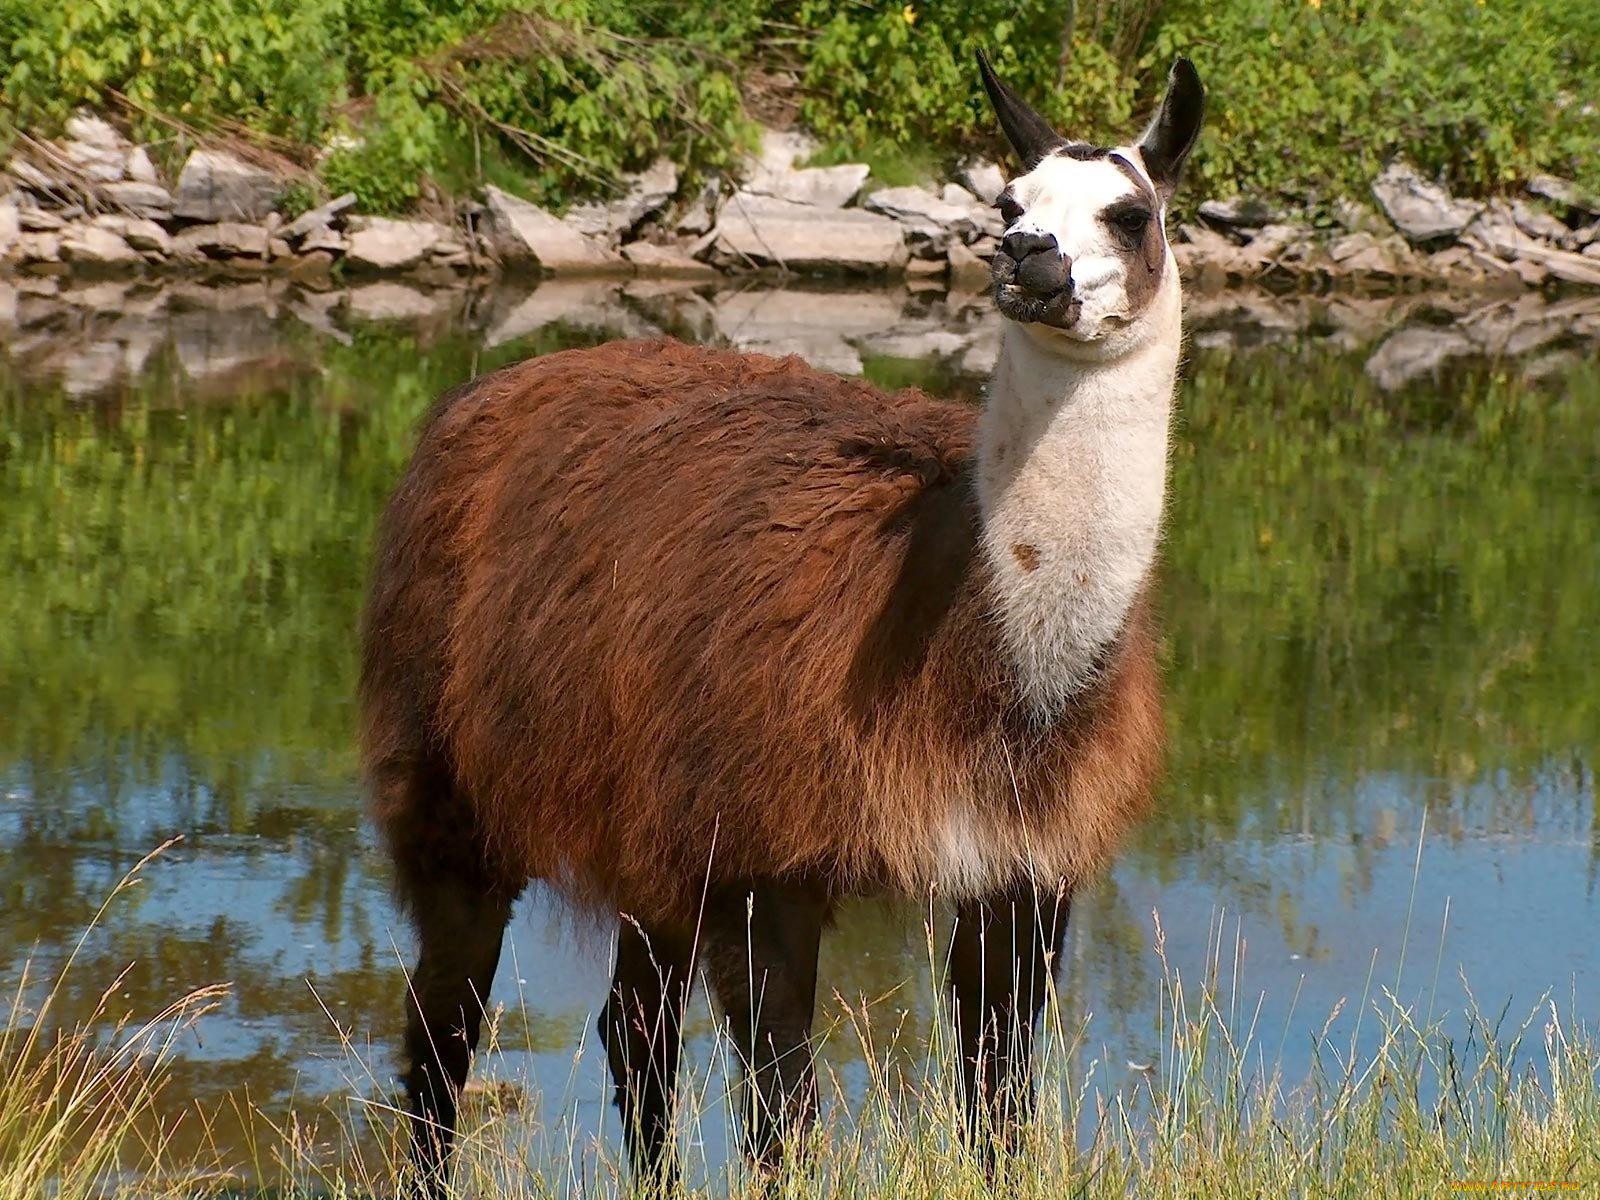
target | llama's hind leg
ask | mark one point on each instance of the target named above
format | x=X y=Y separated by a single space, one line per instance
x=761 y=957
x=460 y=926
x=642 y=1030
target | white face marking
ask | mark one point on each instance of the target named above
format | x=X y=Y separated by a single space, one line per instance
x=1065 y=198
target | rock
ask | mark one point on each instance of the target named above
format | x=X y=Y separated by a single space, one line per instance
x=968 y=272
x=93 y=131
x=149 y=200
x=1495 y=229
x=42 y=184
x=926 y=218
x=1356 y=217
x=138 y=232
x=954 y=193
x=312 y=267
x=1537 y=223
x=97 y=245
x=37 y=248
x=923 y=340
x=646 y=194
x=781 y=149
x=10 y=225
x=1564 y=192
x=1236 y=212
x=1413 y=352
x=216 y=186
x=385 y=244
x=317 y=218
x=1363 y=254
x=94 y=163
x=764 y=231
x=39 y=220
x=524 y=232
x=139 y=168
x=982 y=178
x=1422 y=211
x=822 y=187
x=666 y=260
x=591 y=304
x=701 y=214
x=325 y=239
x=223 y=239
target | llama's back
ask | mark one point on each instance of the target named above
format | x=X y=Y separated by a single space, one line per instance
x=626 y=598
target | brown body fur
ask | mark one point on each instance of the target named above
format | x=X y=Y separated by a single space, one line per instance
x=652 y=617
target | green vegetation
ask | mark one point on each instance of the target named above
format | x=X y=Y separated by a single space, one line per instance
x=556 y=97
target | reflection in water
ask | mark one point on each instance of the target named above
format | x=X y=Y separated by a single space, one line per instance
x=1379 y=606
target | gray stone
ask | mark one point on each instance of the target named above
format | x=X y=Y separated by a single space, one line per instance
x=666 y=260
x=781 y=149
x=384 y=244
x=317 y=218
x=96 y=132
x=823 y=187
x=223 y=239
x=646 y=193
x=925 y=217
x=10 y=225
x=968 y=272
x=97 y=245
x=48 y=187
x=37 y=248
x=1237 y=212
x=142 y=199
x=954 y=193
x=40 y=220
x=764 y=231
x=701 y=214
x=93 y=163
x=139 y=167
x=524 y=232
x=139 y=232
x=1537 y=223
x=982 y=178
x=216 y=186
x=586 y=303
x=326 y=239
x=1564 y=192
x=1422 y=211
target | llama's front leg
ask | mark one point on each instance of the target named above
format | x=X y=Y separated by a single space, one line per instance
x=761 y=957
x=642 y=1030
x=1004 y=954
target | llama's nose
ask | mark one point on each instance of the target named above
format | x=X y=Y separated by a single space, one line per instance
x=1041 y=268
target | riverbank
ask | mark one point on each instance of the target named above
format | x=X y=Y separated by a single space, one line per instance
x=93 y=202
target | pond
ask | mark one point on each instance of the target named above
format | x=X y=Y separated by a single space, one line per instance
x=1380 y=632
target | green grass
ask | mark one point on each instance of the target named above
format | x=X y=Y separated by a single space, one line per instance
x=1417 y=1113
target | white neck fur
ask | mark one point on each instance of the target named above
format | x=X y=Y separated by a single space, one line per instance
x=1072 y=463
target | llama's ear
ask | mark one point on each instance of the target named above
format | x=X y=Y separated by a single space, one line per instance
x=1030 y=134
x=1175 y=128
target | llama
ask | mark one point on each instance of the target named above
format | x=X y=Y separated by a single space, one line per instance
x=709 y=641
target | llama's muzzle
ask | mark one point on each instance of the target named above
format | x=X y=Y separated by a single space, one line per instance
x=1033 y=280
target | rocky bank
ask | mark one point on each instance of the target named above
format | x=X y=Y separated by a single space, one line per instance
x=93 y=202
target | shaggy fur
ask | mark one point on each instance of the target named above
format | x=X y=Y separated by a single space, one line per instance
x=652 y=617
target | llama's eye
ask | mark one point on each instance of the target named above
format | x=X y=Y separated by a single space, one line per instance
x=1131 y=221
x=1010 y=210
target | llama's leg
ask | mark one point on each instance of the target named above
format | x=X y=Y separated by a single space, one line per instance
x=460 y=923
x=1004 y=953
x=642 y=1031
x=761 y=957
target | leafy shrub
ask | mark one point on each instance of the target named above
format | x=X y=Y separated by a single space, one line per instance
x=556 y=98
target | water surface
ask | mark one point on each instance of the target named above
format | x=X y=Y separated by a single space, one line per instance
x=1380 y=634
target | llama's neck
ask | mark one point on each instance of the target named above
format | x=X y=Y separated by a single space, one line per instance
x=1072 y=464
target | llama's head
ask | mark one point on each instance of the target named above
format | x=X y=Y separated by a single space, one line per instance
x=1084 y=261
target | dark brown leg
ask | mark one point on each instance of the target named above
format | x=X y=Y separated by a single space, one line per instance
x=761 y=957
x=460 y=923
x=1005 y=951
x=642 y=1031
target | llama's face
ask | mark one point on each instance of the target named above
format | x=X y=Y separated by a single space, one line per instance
x=1085 y=254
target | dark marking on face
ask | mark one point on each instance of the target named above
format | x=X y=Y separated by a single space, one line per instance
x=1027 y=556
x=1082 y=151
x=1135 y=226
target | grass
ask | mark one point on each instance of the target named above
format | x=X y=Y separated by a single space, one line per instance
x=1420 y=1112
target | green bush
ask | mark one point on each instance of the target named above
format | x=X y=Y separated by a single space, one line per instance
x=556 y=98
